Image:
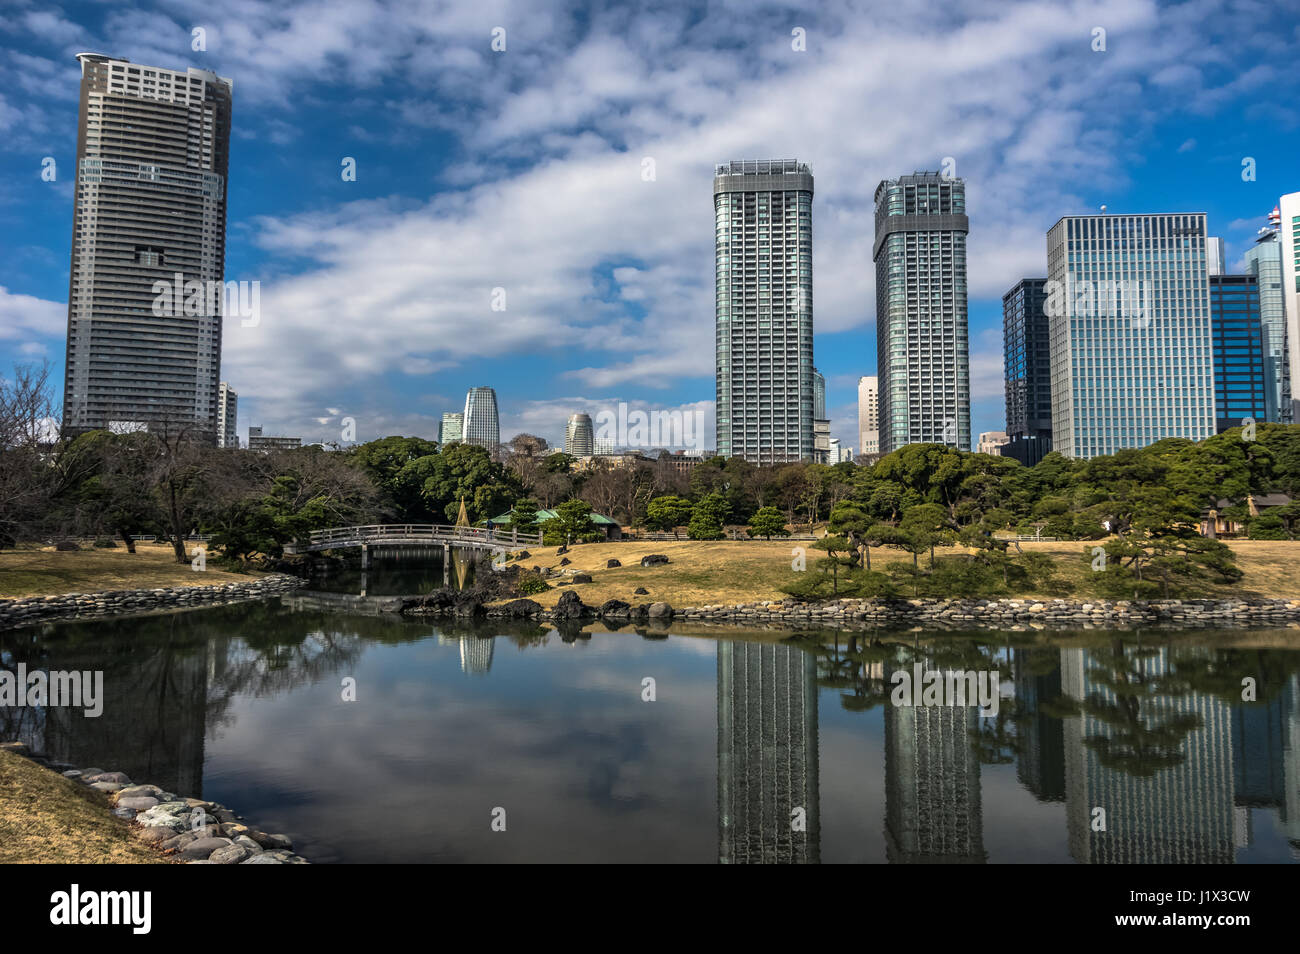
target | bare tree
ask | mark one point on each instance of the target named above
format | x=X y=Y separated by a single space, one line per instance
x=29 y=478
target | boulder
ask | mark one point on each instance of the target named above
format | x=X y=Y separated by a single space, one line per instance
x=582 y=578
x=203 y=848
x=517 y=609
x=570 y=606
x=561 y=551
x=653 y=559
x=615 y=608
x=565 y=562
x=640 y=591
x=660 y=610
x=610 y=564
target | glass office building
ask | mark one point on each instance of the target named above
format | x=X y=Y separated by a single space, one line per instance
x=1264 y=262
x=1027 y=360
x=579 y=436
x=1241 y=383
x=1128 y=304
x=481 y=423
x=922 y=351
x=453 y=427
x=764 y=313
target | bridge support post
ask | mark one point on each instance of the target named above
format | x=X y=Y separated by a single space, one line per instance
x=446 y=564
x=365 y=556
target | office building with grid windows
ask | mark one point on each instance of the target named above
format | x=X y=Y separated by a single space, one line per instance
x=922 y=350
x=1240 y=379
x=1027 y=360
x=481 y=423
x=1128 y=302
x=764 y=313
x=1264 y=262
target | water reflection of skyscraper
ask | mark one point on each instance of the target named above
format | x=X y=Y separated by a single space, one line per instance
x=768 y=802
x=932 y=785
x=1163 y=775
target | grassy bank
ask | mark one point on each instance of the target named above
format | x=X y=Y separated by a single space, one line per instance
x=47 y=819
x=727 y=572
x=50 y=572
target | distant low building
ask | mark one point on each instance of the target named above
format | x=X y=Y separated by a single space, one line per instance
x=258 y=442
x=1214 y=524
x=609 y=527
x=991 y=442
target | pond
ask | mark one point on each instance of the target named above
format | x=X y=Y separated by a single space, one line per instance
x=496 y=742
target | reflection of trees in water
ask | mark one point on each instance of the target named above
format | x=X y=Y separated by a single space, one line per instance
x=168 y=680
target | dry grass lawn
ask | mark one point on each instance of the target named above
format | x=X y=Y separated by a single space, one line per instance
x=47 y=819
x=49 y=572
x=726 y=572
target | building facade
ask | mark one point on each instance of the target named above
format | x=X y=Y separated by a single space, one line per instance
x=1027 y=360
x=764 y=311
x=1288 y=213
x=1128 y=305
x=227 y=416
x=148 y=248
x=868 y=415
x=453 y=427
x=579 y=436
x=1241 y=383
x=259 y=442
x=922 y=351
x=991 y=442
x=482 y=426
x=1264 y=262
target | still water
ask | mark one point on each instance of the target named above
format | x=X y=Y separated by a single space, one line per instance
x=743 y=748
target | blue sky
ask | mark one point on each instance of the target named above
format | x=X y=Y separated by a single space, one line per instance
x=522 y=170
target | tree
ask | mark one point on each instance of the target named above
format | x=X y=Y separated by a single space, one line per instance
x=666 y=514
x=572 y=521
x=767 y=522
x=708 y=517
x=523 y=515
x=28 y=483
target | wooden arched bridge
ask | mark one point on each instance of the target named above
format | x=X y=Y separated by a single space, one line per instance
x=413 y=535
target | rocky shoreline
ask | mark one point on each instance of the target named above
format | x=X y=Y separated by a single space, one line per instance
x=189 y=830
x=35 y=609
x=937 y=613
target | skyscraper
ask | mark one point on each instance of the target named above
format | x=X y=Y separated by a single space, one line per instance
x=579 y=438
x=1027 y=360
x=481 y=423
x=1128 y=304
x=764 y=313
x=227 y=416
x=150 y=214
x=1240 y=384
x=825 y=449
x=453 y=427
x=868 y=415
x=922 y=354
x=1264 y=261
x=1288 y=208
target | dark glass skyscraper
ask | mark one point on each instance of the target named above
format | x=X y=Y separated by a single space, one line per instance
x=922 y=351
x=1027 y=346
x=764 y=317
x=152 y=155
x=1241 y=384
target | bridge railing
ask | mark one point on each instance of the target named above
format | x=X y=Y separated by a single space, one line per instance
x=420 y=532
